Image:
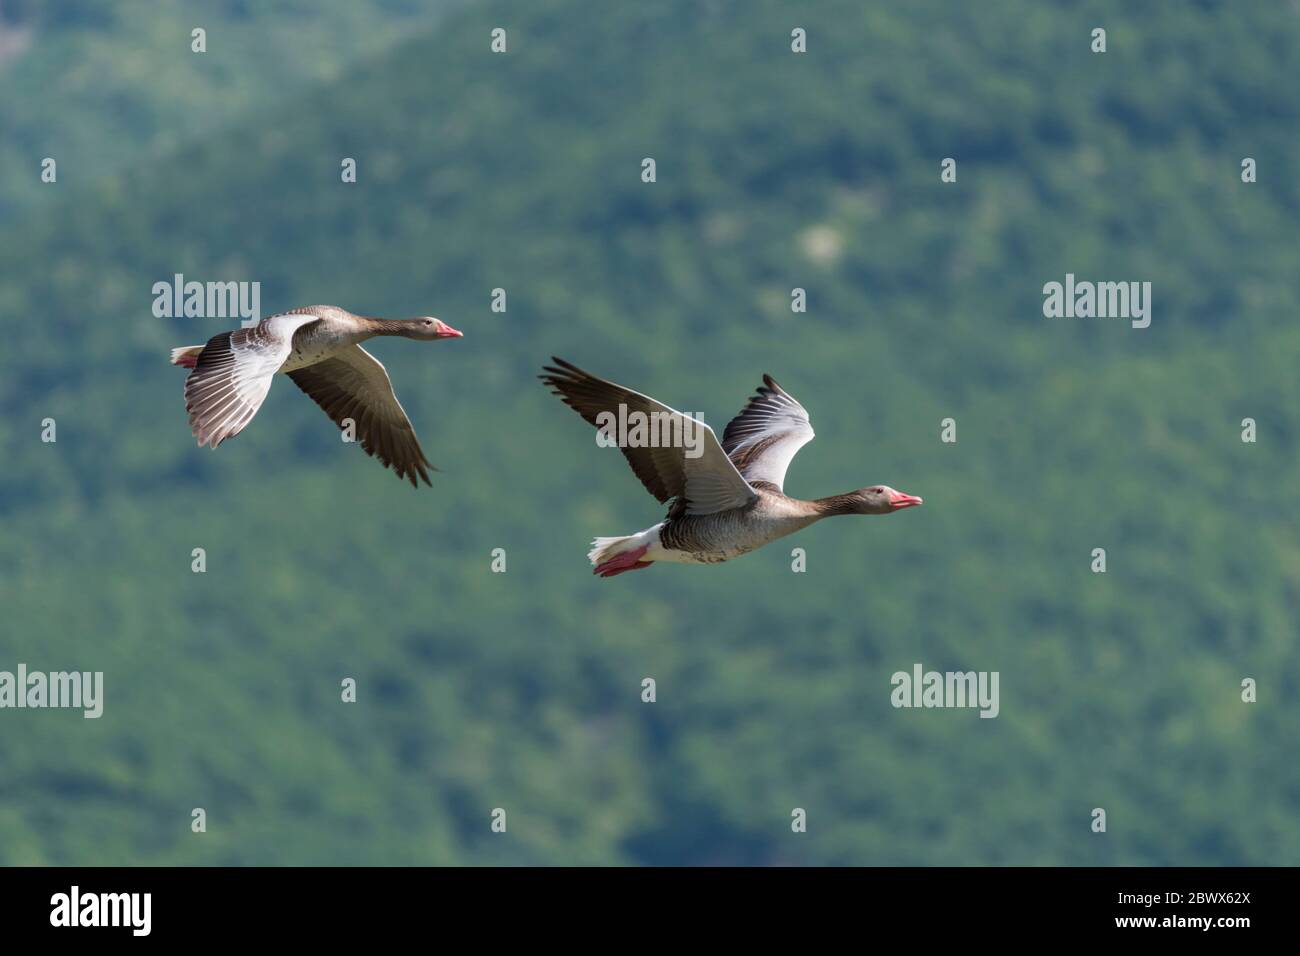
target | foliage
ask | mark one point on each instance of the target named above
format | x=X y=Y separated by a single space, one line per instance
x=522 y=690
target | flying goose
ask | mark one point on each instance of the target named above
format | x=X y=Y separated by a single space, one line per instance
x=727 y=497
x=319 y=347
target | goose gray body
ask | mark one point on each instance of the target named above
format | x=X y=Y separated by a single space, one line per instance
x=723 y=535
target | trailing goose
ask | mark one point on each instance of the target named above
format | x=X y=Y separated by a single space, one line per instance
x=319 y=347
x=727 y=496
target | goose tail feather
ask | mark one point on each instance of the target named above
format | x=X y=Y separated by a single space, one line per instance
x=613 y=556
x=605 y=549
x=187 y=356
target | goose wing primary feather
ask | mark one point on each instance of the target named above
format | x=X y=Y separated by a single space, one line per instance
x=233 y=373
x=353 y=384
x=762 y=440
x=702 y=485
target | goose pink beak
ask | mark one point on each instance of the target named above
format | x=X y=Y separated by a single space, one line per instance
x=445 y=331
x=900 y=501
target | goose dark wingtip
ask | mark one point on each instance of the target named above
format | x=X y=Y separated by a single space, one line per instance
x=567 y=369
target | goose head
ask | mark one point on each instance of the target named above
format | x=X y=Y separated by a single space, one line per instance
x=881 y=500
x=426 y=327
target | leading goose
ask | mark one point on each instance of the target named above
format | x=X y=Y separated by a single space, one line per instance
x=728 y=497
x=319 y=347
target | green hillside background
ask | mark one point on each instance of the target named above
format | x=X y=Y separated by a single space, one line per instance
x=521 y=690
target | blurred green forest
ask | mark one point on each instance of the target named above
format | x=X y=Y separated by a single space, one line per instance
x=521 y=690
x=101 y=85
